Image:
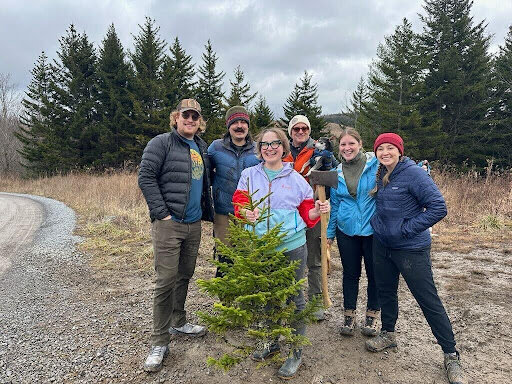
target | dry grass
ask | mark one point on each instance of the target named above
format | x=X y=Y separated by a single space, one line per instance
x=113 y=217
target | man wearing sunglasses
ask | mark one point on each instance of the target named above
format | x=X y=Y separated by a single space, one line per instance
x=174 y=179
x=302 y=147
x=229 y=156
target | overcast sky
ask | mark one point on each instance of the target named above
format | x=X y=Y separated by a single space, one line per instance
x=273 y=41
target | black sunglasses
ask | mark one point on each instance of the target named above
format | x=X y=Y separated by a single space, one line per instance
x=273 y=144
x=303 y=129
x=187 y=114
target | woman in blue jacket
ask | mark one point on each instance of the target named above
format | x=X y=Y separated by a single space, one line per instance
x=407 y=203
x=352 y=208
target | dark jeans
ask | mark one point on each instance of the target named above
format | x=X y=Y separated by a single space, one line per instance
x=314 y=260
x=352 y=250
x=175 y=246
x=416 y=269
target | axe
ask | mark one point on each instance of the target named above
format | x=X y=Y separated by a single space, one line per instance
x=324 y=179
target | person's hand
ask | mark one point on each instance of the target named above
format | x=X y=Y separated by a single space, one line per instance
x=168 y=217
x=252 y=216
x=330 y=241
x=324 y=207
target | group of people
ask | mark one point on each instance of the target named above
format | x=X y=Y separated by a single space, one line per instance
x=381 y=213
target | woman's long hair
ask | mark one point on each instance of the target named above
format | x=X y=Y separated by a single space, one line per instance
x=385 y=178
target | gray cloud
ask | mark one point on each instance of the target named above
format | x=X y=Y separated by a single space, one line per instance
x=273 y=42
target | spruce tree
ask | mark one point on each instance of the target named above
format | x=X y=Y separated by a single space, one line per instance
x=75 y=119
x=359 y=101
x=455 y=97
x=254 y=294
x=177 y=76
x=304 y=101
x=500 y=135
x=40 y=142
x=210 y=96
x=147 y=60
x=118 y=135
x=262 y=116
x=240 y=93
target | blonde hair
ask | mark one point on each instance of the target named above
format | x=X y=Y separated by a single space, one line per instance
x=280 y=135
x=351 y=132
x=174 y=115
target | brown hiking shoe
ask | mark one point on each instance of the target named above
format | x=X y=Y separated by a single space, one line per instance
x=453 y=368
x=369 y=327
x=383 y=341
x=349 y=324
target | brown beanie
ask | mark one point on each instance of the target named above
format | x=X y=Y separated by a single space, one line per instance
x=236 y=113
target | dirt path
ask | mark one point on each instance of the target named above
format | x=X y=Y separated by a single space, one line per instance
x=63 y=322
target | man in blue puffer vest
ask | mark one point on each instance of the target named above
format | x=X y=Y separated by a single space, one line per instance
x=229 y=156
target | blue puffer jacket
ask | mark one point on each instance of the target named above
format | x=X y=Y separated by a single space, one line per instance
x=352 y=216
x=407 y=207
x=227 y=166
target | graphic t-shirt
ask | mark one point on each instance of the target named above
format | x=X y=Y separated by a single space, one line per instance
x=193 y=211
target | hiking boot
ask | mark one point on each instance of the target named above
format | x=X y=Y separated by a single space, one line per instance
x=453 y=368
x=383 y=341
x=349 y=324
x=290 y=367
x=188 y=329
x=268 y=350
x=369 y=327
x=155 y=358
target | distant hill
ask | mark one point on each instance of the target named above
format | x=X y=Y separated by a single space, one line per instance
x=340 y=119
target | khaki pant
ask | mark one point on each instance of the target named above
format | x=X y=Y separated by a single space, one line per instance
x=314 y=260
x=175 y=247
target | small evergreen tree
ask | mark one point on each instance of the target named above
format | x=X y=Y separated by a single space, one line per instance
x=262 y=116
x=304 y=101
x=240 y=92
x=210 y=95
x=255 y=290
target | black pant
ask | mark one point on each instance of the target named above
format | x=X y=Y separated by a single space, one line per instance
x=352 y=250
x=416 y=269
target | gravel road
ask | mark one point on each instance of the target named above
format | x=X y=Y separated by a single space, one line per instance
x=57 y=324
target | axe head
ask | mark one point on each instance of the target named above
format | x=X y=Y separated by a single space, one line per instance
x=325 y=178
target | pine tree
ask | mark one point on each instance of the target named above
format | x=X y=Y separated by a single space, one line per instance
x=498 y=146
x=147 y=60
x=177 y=76
x=458 y=79
x=359 y=101
x=262 y=116
x=304 y=101
x=118 y=135
x=40 y=143
x=255 y=290
x=240 y=92
x=209 y=95
x=75 y=119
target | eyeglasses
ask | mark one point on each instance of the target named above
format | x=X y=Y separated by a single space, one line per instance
x=273 y=144
x=297 y=129
x=195 y=116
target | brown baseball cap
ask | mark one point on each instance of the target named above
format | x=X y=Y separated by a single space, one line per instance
x=189 y=105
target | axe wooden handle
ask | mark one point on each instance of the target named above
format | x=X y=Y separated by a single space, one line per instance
x=324 y=218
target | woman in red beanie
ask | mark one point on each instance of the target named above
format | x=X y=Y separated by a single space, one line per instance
x=407 y=203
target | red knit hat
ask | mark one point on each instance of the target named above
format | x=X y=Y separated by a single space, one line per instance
x=391 y=138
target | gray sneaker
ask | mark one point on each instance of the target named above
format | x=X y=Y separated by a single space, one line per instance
x=155 y=358
x=453 y=368
x=188 y=329
x=383 y=341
